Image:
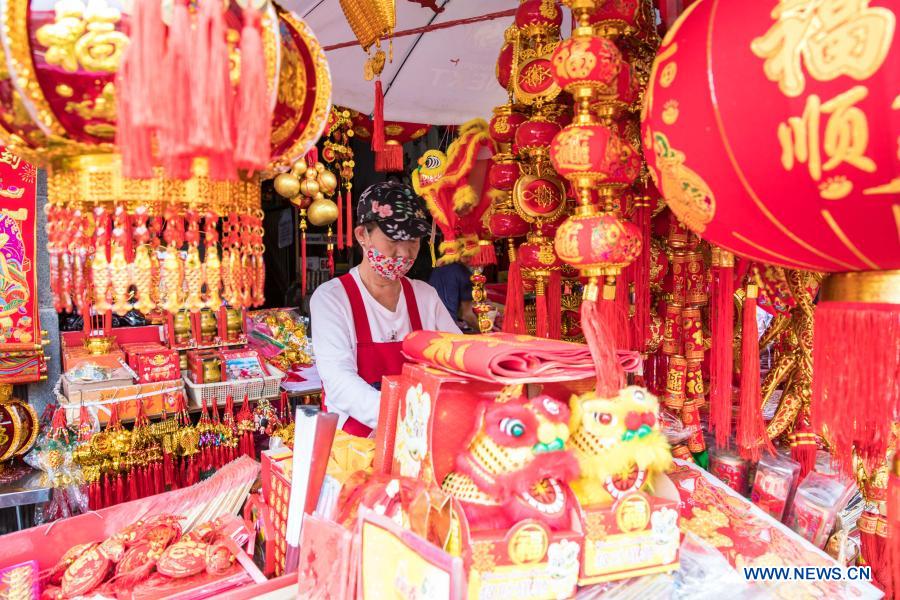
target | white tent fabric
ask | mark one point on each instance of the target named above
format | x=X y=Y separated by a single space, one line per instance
x=441 y=77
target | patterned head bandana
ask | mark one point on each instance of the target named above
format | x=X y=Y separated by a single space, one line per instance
x=399 y=212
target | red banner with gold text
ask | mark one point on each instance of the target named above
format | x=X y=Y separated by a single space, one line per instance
x=21 y=352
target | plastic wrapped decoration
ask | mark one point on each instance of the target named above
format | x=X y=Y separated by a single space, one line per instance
x=53 y=454
x=280 y=336
x=618 y=444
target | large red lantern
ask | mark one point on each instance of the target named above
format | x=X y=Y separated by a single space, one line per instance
x=809 y=181
x=771 y=129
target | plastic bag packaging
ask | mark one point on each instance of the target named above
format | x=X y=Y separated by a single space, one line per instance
x=773 y=486
x=280 y=336
x=673 y=428
x=816 y=504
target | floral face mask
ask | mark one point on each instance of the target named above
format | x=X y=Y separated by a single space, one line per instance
x=389 y=267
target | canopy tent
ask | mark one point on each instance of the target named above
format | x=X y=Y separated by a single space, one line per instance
x=443 y=67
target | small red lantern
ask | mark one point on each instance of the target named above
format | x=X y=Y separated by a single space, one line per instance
x=507 y=224
x=503 y=174
x=598 y=244
x=587 y=61
x=503 y=70
x=534 y=136
x=615 y=18
x=594 y=152
x=538 y=18
x=537 y=254
x=505 y=123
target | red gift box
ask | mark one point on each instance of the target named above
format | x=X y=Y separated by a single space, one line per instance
x=159 y=364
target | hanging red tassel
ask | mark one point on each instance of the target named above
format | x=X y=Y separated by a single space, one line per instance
x=542 y=319
x=253 y=114
x=109 y=493
x=303 y=258
x=159 y=484
x=621 y=323
x=752 y=438
x=120 y=489
x=134 y=141
x=514 y=316
x=340 y=222
x=390 y=159
x=133 y=491
x=212 y=106
x=855 y=372
x=177 y=127
x=554 y=304
x=168 y=471
x=804 y=447
x=597 y=319
x=641 y=274
x=348 y=221
x=722 y=355
x=893 y=518
x=876 y=549
x=378 y=119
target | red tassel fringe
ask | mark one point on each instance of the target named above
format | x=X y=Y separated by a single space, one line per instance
x=175 y=146
x=389 y=160
x=752 y=436
x=378 y=119
x=856 y=372
x=542 y=320
x=641 y=276
x=893 y=519
x=722 y=355
x=597 y=318
x=252 y=149
x=554 y=304
x=348 y=220
x=303 y=263
x=514 y=317
x=340 y=222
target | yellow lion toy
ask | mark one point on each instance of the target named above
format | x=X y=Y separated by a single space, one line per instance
x=618 y=444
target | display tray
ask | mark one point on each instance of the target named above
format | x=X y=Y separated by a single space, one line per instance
x=253 y=389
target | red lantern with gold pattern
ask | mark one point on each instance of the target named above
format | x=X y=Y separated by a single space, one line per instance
x=615 y=18
x=537 y=254
x=798 y=167
x=597 y=244
x=824 y=131
x=505 y=123
x=538 y=17
x=587 y=61
x=539 y=198
x=595 y=152
x=504 y=65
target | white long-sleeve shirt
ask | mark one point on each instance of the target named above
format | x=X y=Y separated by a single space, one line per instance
x=334 y=341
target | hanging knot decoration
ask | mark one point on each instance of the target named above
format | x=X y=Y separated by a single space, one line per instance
x=109 y=139
x=310 y=186
x=599 y=164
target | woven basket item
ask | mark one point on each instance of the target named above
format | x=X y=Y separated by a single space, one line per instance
x=370 y=20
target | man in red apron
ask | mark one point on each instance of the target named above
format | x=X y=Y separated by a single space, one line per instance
x=359 y=320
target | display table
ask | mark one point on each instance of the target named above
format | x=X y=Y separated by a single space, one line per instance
x=25 y=489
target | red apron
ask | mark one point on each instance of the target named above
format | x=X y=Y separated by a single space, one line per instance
x=375 y=360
